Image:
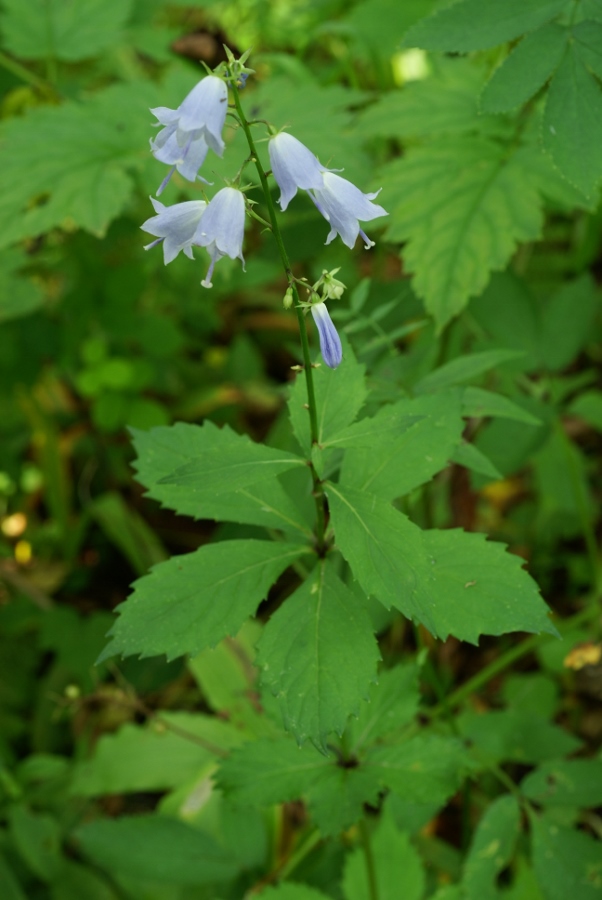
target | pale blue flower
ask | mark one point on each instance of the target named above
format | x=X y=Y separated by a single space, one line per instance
x=221 y=229
x=344 y=206
x=174 y=226
x=191 y=129
x=330 y=342
x=293 y=166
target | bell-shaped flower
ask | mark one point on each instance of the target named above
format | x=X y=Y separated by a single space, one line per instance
x=344 y=206
x=293 y=166
x=330 y=342
x=174 y=226
x=221 y=229
x=192 y=128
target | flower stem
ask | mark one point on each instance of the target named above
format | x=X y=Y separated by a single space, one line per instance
x=311 y=395
x=369 y=858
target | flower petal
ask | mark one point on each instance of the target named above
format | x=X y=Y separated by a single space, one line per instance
x=294 y=166
x=330 y=342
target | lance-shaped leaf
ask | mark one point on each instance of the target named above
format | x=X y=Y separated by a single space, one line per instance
x=318 y=656
x=460 y=206
x=492 y=847
x=478 y=402
x=401 y=458
x=474 y=25
x=225 y=461
x=470 y=457
x=465 y=368
x=193 y=601
x=572 y=123
x=164 y=449
x=450 y=581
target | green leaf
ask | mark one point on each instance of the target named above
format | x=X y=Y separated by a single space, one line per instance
x=318 y=656
x=10 y=886
x=128 y=530
x=340 y=394
x=572 y=123
x=155 y=848
x=76 y=881
x=69 y=30
x=464 y=368
x=589 y=44
x=19 y=295
x=425 y=769
x=592 y=9
x=567 y=782
x=193 y=601
x=567 y=863
x=461 y=206
x=491 y=848
x=478 y=403
x=399 y=870
x=470 y=457
x=161 y=450
x=153 y=757
x=400 y=461
x=380 y=23
x=36 y=836
x=224 y=461
x=526 y=70
x=81 y=179
x=290 y=891
x=473 y=25
x=588 y=406
x=450 y=581
x=393 y=705
x=567 y=322
x=501 y=735
x=267 y=772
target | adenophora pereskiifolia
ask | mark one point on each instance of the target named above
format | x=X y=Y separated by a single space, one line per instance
x=341 y=203
x=174 y=226
x=330 y=342
x=191 y=129
x=222 y=227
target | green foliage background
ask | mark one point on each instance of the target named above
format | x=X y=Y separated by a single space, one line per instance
x=369 y=724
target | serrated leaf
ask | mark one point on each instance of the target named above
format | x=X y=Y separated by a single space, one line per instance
x=461 y=206
x=152 y=758
x=464 y=368
x=526 y=70
x=155 y=848
x=589 y=44
x=225 y=461
x=478 y=402
x=267 y=772
x=69 y=30
x=451 y=581
x=318 y=656
x=470 y=457
x=398 y=867
x=399 y=462
x=491 y=848
x=393 y=705
x=572 y=123
x=193 y=601
x=567 y=863
x=474 y=25
x=575 y=783
x=81 y=179
x=425 y=769
x=161 y=450
x=511 y=734
x=340 y=394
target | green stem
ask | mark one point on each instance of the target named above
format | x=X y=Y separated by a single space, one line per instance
x=369 y=857
x=20 y=71
x=307 y=365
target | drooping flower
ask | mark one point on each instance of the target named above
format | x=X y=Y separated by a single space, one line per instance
x=330 y=342
x=174 y=226
x=222 y=228
x=344 y=206
x=191 y=129
x=294 y=166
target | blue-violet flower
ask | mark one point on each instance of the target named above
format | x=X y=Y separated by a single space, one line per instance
x=175 y=226
x=293 y=166
x=222 y=228
x=191 y=129
x=342 y=204
x=330 y=342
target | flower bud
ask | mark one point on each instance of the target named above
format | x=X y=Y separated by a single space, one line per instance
x=287 y=300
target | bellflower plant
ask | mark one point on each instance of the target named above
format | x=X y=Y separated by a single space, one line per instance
x=191 y=129
x=293 y=166
x=222 y=228
x=330 y=342
x=174 y=226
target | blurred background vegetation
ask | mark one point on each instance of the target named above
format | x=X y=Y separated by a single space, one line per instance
x=96 y=335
